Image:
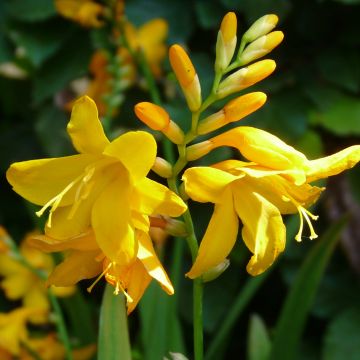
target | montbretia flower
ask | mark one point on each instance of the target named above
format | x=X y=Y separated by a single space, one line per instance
x=276 y=181
x=85 y=260
x=104 y=187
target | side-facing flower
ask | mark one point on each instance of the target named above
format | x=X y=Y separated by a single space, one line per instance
x=104 y=187
x=276 y=181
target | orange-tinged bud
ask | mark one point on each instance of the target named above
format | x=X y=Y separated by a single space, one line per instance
x=154 y=116
x=214 y=272
x=162 y=168
x=226 y=41
x=260 y=47
x=186 y=75
x=246 y=77
x=260 y=27
x=233 y=111
x=199 y=150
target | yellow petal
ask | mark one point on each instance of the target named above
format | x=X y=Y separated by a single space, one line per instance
x=263 y=232
x=155 y=198
x=136 y=150
x=206 y=184
x=83 y=242
x=41 y=180
x=18 y=284
x=85 y=129
x=111 y=221
x=140 y=221
x=219 y=238
x=37 y=298
x=333 y=164
x=77 y=266
x=138 y=282
x=146 y=254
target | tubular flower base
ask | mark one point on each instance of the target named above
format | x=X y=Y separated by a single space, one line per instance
x=103 y=188
x=275 y=182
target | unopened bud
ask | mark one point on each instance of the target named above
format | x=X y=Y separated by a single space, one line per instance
x=233 y=111
x=199 y=150
x=226 y=41
x=186 y=75
x=246 y=77
x=260 y=47
x=260 y=27
x=170 y=225
x=156 y=118
x=216 y=271
x=162 y=168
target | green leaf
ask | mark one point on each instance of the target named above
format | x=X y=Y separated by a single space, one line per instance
x=301 y=296
x=311 y=145
x=114 y=340
x=209 y=13
x=30 y=10
x=342 y=336
x=259 y=344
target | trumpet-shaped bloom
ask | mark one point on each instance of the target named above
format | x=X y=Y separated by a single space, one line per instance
x=85 y=260
x=275 y=182
x=19 y=282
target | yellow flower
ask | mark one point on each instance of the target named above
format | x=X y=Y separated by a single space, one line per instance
x=103 y=188
x=13 y=329
x=85 y=12
x=276 y=181
x=19 y=282
x=85 y=260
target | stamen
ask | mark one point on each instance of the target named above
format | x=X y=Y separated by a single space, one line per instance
x=118 y=287
x=313 y=235
x=298 y=235
x=89 y=289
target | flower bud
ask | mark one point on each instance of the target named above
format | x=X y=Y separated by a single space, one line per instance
x=156 y=118
x=215 y=271
x=186 y=75
x=199 y=150
x=246 y=77
x=171 y=226
x=260 y=47
x=260 y=27
x=233 y=111
x=226 y=41
x=162 y=168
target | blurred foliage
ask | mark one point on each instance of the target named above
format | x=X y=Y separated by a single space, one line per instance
x=313 y=103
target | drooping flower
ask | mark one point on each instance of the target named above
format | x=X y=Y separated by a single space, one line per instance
x=85 y=260
x=104 y=188
x=19 y=282
x=276 y=181
x=85 y=12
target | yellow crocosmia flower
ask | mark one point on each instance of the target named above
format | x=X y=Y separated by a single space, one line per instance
x=19 y=282
x=275 y=182
x=104 y=187
x=85 y=12
x=85 y=260
x=13 y=329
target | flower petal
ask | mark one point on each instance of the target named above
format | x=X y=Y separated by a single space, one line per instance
x=149 y=259
x=41 y=180
x=333 y=164
x=264 y=232
x=206 y=184
x=77 y=266
x=111 y=217
x=219 y=238
x=136 y=150
x=85 y=129
x=155 y=198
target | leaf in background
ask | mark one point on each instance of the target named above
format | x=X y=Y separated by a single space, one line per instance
x=175 y=12
x=209 y=13
x=41 y=40
x=114 y=341
x=259 y=344
x=297 y=304
x=70 y=63
x=30 y=10
x=311 y=145
x=342 y=336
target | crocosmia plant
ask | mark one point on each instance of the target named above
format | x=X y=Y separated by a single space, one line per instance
x=196 y=189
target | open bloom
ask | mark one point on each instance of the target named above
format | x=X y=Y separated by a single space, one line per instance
x=276 y=181
x=104 y=187
x=85 y=260
x=19 y=282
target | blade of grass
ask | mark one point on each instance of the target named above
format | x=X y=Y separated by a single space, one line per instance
x=298 y=302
